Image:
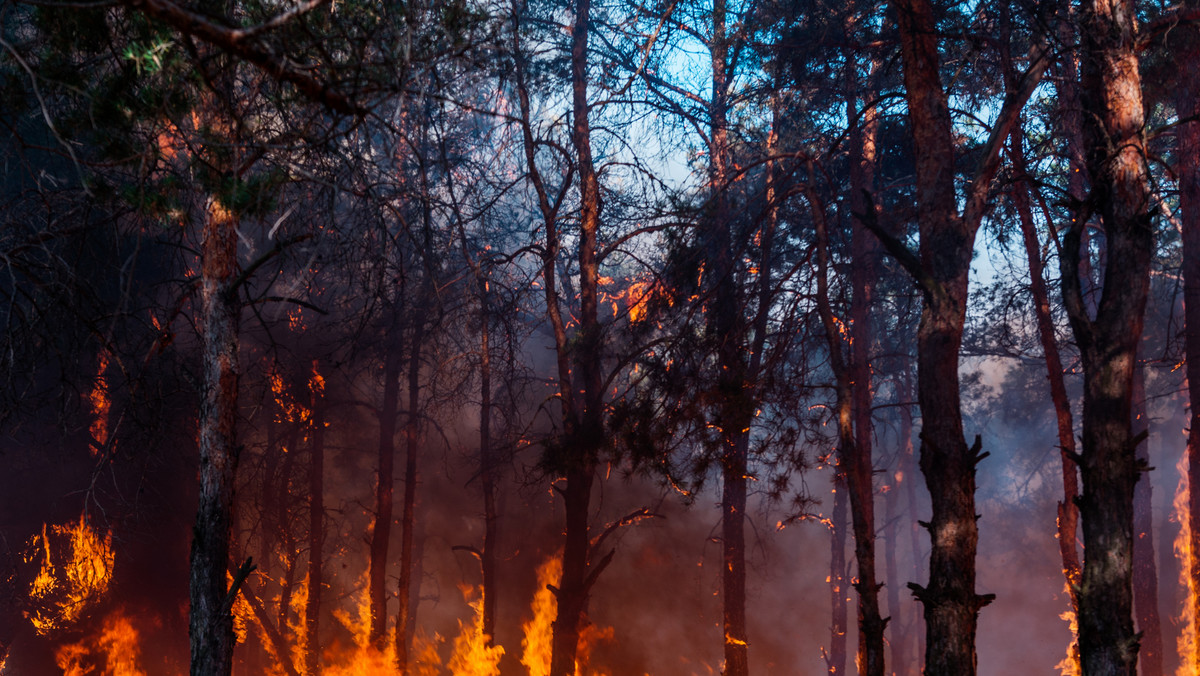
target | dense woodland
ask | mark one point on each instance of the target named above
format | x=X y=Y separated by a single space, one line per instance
x=560 y=337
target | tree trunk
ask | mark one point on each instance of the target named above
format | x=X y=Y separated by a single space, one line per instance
x=861 y=471
x=384 y=490
x=1068 y=512
x=1145 y=572
x=1113 y=141
x=210 y=617
x=316 y=527
x=946 y=245
x=853 y=412
x=412 y=438
x=835 y=659
x=584 y=424
x=487 y=559
x=1187 y=105
x=723 y=325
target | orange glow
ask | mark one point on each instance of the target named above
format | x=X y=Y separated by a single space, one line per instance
x=362 y=659
x=112 y=652
x=472 y=655
x=639 y=296
x=1189 y=661
x=539 y=631
x=100 y=404
x=536 y=646
x=69 y=583
x=1070 y=666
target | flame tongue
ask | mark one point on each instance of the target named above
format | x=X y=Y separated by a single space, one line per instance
x=1188 y=658
x=537 y=643
x=472 y=654
x=68 y=584
x=113 y=651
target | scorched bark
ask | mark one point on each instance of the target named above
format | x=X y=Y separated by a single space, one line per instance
x=210 y=617
x=1114 y=145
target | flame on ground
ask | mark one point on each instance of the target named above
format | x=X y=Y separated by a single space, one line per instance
x=114 y=651
x=539 y=631
x=473 y=656
x=1189 y=661
x=362 y=659
x=69 y=583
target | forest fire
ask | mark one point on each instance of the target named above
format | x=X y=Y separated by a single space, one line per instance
x=373 y=338
x=75 y=569
x=113 y=651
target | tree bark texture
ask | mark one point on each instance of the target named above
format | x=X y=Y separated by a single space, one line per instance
x=210 y=617
x=1113 y=127
x=946 y=244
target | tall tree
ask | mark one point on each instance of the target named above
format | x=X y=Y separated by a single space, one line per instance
x=1114 y=146
x=942 y=268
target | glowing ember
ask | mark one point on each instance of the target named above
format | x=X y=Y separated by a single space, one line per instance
x=68 y=584
x=472 y=654
x=1189 y=660
x=112 y=652
x=99 y=400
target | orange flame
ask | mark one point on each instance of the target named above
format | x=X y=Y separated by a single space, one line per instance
x=1070 y=666
x=363 y=659
x=64 y=590
x=112 y=652
x=539 y=631
x=1186 y=643
x=472 y=654
x=100 y=403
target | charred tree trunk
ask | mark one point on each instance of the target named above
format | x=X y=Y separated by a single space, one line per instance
x=835 y=658
x=1188 y=167
x=487 y=558
x=316 y=528
x=384 y=492
x=210 y=620
x=584 y=425
x=1113 y=124
x=1145 y=572
x=412 y=439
